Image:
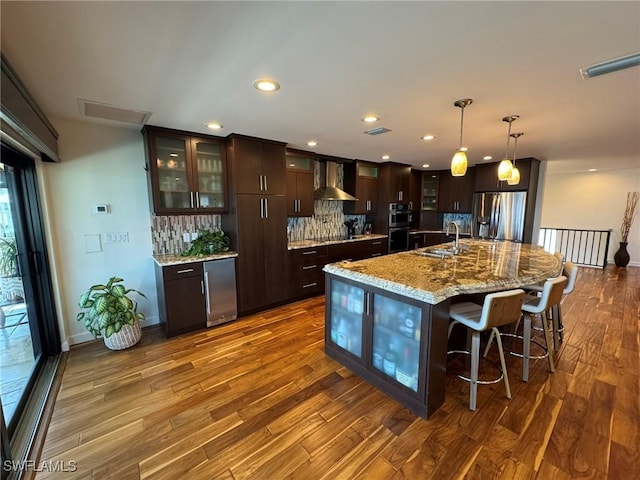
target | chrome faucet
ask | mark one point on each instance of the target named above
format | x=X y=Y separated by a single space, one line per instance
x=456 y=246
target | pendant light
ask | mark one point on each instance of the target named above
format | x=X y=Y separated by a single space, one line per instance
x=514 y=179
x=505 y=167
x=459 y=160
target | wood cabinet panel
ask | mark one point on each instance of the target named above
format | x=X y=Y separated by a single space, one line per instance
x=181 y=297
x=258 y=166
x=487 y=176
x=187 y=173
x=455 y=194
x=299 y=193
x=361 y=181
x=262 y=241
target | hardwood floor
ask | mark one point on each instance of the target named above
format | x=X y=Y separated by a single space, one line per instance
x=258 y=399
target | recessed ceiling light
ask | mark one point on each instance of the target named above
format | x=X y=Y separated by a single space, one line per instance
x=428 y=137
x=370 y=118
x=312 y=143
x=592 y=170
x=214 y=126
x=173 y=154
x=487 y=157
x=266 y=85
x=425 y=165
x=386 y=157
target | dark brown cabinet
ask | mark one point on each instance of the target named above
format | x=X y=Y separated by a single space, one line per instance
x=361 y=181
x=415 y=190
x=181 y=297
x=261 y=245
x=187 y=173
x=455 y=194
x=487 y=176
x=262 y=168
x=300 y=189
x=387 y=340
x=257 y=221
x=306 y=277
x=395 y=183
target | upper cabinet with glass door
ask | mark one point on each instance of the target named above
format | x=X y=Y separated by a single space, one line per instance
x=187 y=174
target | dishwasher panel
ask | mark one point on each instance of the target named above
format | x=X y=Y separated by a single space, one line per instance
x=220 y=286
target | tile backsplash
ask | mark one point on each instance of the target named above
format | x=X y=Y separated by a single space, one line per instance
x=167 y=230
x=462 y=219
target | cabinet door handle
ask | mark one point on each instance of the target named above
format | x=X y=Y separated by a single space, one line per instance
x=400 y=195
x=366 y=303
x=410 y=205
x=376 y=243
x=197 y=199
x=262 y=208
x=376 y=255
x=186 y=270
x=206 y=289
x=260 y=179
x=191 y=199
x=310 y=252
x=368 y=206
x=265 y=184
x=266 y=207
x=309 y=267
x=308 y=285
x=202 y=287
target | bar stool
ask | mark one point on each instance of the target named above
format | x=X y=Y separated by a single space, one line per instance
x=571 y=272
x=498 y=309
x=539 y=305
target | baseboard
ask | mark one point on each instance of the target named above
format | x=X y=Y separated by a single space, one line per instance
x=87 y=337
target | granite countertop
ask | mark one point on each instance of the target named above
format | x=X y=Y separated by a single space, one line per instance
x=462 y=234
x=177 y=259
x=328 y=241
x=483 y=266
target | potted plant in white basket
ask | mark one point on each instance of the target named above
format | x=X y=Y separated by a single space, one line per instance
x=112 y=314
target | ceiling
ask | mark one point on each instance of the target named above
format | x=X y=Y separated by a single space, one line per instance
x=407 y=62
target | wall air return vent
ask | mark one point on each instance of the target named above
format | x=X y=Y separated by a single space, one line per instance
x=377 y=131
x=105 y=111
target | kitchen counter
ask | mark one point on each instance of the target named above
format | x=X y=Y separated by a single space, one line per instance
x=485 y=267
x=177 y=259
x=328 y=241
x=387 y=317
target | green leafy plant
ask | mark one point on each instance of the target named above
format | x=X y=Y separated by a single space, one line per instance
x=208 y=242
x=109 y=308
x=8 y=252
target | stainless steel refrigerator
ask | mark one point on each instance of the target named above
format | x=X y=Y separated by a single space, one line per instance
x=499 y=215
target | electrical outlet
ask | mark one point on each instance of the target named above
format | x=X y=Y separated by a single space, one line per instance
x=118 y=237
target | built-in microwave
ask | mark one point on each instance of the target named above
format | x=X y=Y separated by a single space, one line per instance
x=399 y=215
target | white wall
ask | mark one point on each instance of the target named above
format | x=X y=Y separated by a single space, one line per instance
x=100 y=164
x=592 y=200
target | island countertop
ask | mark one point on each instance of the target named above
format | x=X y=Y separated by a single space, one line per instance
x=483 y=266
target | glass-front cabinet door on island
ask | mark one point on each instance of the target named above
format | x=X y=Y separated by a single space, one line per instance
x=187 y=173
x=382 y=332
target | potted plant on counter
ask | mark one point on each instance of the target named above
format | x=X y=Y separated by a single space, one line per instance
x=112 y=314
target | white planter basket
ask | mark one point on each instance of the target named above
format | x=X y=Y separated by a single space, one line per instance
x=127 y=337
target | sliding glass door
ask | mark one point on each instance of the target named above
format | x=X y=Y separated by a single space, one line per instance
x=28 y=328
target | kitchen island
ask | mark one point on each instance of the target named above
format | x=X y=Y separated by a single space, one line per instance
x=386 y=318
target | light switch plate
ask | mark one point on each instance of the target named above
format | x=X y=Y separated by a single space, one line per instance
x=92 y=243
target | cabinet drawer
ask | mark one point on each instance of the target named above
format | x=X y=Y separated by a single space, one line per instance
x=308 y=255
x=173 y=272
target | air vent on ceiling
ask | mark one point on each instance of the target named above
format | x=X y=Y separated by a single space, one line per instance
x=111 y=112
x=377 y=131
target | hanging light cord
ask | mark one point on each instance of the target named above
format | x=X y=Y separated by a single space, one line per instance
x=506 y=155
x=461 y=122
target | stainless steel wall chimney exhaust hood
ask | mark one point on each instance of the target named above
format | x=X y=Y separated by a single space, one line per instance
x=329 y=191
